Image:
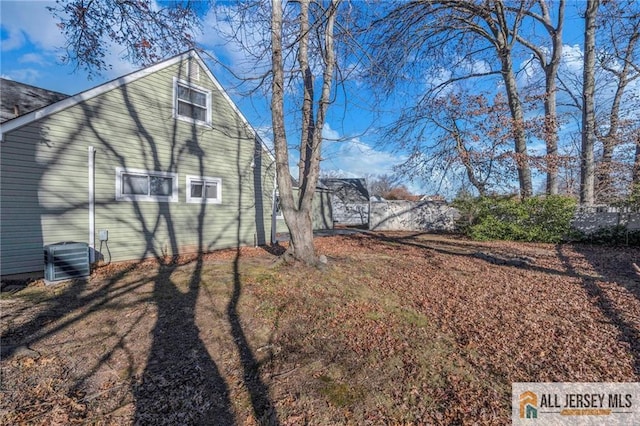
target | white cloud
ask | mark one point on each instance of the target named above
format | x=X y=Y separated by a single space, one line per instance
x=29 y=21
x=235 y=41
x=26 y=75
x=572 y=59
x=475 y=66
x=530 y=73
x=438 y=77
x=353 y=157
x=33 y=58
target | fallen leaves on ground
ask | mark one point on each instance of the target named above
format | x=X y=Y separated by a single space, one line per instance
x=399 y=328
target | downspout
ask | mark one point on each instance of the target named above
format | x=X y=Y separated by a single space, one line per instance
x=273 y=216
x=92 y=206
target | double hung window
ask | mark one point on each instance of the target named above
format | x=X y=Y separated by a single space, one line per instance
x=191 y=103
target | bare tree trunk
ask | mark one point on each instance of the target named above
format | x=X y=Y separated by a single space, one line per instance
x=463 y=153
x=550 y=110
x=301 y=238
x=519 y=135
x=551 y=136
x=297 y=215
x=635 y=181
x=502 y=33
x=623 y=48
x=550 y=67
x=604 y=179
x=307 y=130
x=610 y=140
x=587 y=166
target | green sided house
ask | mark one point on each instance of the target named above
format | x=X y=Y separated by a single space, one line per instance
x=158 y=162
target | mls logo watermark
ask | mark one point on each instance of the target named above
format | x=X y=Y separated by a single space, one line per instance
x=575 y=403
x=528 y=405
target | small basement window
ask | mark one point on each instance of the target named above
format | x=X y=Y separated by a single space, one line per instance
x=145 y=185
x=204 y=189
x=191 y=103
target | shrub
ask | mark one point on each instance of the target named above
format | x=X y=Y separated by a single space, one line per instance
x=541 y=219
x=615 y=235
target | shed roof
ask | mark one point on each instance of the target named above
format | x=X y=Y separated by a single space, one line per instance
x=353 y=190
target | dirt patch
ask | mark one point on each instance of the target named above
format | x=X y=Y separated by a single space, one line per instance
x=398 y=328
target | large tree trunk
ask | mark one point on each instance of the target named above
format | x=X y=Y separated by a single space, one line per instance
x=298 y=221
x=519 y=135
x=610 y=141
x=297 y=212
x=624 y=76
x=504 y=38
x=301 y=243
x=550 y=109
x=307 y=130
x=587 y=166
x=551 y=135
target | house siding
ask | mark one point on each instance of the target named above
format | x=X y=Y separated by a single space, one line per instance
x=44 y=177
x=321 y=214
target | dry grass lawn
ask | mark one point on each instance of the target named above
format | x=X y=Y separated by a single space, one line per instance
x=397 y=329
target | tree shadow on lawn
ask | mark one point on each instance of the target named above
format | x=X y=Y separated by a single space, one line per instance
x=615 y=266
x=181 y=384
x=105 y=323
x=263 y=409
x=79 y=298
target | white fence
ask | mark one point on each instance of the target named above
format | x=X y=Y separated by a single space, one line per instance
x=412 y=216
x=439 y=216
x=589 y=219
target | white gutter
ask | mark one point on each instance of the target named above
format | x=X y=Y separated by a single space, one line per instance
x=92 y=206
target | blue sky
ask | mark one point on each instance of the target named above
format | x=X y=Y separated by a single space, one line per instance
x=31 y=48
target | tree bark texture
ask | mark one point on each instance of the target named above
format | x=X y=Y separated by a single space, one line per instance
x=587 y=163
x=297 y=211
x=503 y=37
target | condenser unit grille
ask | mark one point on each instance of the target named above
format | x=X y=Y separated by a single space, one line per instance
x=65 y=261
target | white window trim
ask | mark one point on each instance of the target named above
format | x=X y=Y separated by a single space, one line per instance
x=207 y=92
x=173 y=198
x=200 y=200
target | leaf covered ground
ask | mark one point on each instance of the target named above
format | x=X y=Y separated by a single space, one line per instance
x=396 y=329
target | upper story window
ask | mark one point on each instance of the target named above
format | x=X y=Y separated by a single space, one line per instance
x=145 y=185
x=204 y=189
x=191 y=103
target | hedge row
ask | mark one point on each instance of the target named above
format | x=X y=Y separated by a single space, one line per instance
x=541 y=219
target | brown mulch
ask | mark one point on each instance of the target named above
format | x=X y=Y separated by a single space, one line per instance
x=398 y=328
